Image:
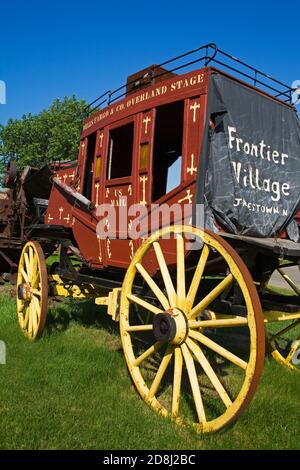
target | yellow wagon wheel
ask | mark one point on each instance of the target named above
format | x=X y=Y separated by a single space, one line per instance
x=32 y=290
x=284 y=336
x=182 y=358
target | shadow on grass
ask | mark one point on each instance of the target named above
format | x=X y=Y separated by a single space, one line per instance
x=87 y=314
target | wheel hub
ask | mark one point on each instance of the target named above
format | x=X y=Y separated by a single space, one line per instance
x=170 y=326
x=24 y=291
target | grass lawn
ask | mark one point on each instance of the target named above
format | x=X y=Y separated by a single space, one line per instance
x=71 y=390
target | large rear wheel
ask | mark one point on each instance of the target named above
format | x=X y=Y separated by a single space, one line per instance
x=187 y=360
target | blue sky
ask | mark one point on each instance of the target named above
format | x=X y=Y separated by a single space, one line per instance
x=56 y=48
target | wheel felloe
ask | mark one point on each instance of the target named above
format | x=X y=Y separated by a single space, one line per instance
x=178 y=358
x=32 y=290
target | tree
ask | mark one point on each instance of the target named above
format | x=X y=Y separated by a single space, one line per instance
x=51 y=135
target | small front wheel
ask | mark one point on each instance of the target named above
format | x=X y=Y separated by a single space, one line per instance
x=32 y=290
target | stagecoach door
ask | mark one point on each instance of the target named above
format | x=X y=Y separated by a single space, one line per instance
x=120 y=189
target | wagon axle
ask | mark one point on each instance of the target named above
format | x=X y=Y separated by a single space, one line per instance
x=170 y=326
x=24 y=291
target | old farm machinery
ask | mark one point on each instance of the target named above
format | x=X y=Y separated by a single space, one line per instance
x=23 y=202
x=192 y=290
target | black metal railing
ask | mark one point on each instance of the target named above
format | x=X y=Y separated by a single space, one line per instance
x=209 y=55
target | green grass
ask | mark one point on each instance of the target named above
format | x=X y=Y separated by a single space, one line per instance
x=71 y=390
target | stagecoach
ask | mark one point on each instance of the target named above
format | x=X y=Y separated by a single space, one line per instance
x=193 y=291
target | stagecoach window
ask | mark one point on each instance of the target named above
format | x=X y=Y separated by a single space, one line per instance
x=88 y=172
x=120 y=152
x=167 y=152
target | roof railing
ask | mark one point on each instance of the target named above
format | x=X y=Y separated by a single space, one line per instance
x=208 y=56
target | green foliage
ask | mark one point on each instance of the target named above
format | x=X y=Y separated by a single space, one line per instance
x=51 y=135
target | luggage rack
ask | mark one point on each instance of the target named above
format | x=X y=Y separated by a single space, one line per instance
x=209 y=55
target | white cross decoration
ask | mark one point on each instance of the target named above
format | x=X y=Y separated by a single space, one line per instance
x=67 y=219
x=101 y=139
x=65 y=177
x=72 y=176
x=82 y=147
x=143 y=179
x=100 y=251
x=49 y=218
x=97 y=186
x=146 y=120
x=131 y=248
x=108 y=248
x=61 y=209
x=107 y=192
x=194 y=108
x=188 y=197
x=107 y=224
x=73 y=221
x=130 y=190
x=192 y=169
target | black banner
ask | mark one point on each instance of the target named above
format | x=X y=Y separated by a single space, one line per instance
x=251 y=157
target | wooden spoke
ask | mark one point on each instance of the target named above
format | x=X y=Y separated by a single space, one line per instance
x=29 y=321
x=34 y=317
x=27 y=264
x=21 y=305
x=153 y=286
x=26 y=318
x=155 y=347
x=37 y=305
x=189 y=362
x=285 y=330
x=292 y=351
x=144 y=304
x=204 y=303
x=198 y=353
x=31 y=260
x=165 y=274
x=218 y=349
x=37 y=292
x=197 y=278
x=178 y=364
x=36 y=273
x=219 y=323
x=289 y=281
x=161 y=371
x=139 y=328
x=24 y=274
x=180 y=271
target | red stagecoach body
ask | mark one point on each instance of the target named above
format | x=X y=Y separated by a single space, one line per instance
x=205 y=310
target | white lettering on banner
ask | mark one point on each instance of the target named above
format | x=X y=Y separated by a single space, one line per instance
x=260 y=150
x=253 y=207
x=249 y=176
